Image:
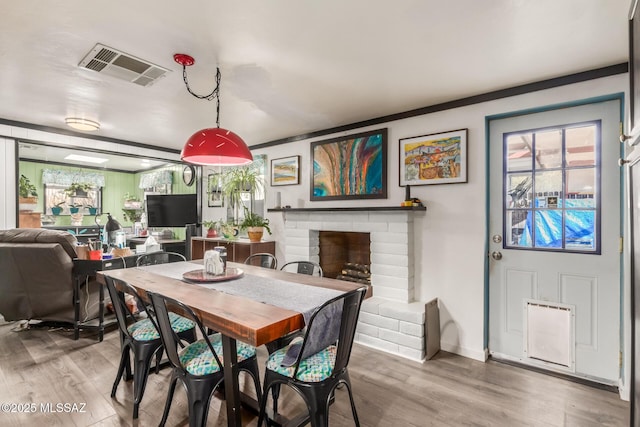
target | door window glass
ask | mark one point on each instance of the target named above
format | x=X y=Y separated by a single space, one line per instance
x=551 y=184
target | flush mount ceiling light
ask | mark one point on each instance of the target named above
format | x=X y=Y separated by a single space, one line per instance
x=88 y=159
x=212 y=146
x=82 y=124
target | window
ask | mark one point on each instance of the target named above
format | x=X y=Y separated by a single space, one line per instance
x=551 y=189
x=57 y=201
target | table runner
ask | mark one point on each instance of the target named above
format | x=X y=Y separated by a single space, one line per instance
x=301 y=298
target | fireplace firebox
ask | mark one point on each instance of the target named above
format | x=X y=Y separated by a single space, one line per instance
x=342 y=253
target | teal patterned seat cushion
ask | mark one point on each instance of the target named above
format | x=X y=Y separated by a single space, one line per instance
x=197 y=358
x=315 y=368
x=143 y=330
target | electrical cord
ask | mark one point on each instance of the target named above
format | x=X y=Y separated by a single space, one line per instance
x=215 y=93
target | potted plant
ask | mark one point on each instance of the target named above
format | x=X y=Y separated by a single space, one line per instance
x=57 y=208
x=27 y=194
x=92 y=209
x=132 y=202
x=255 y=225
x=132 y=215
x=210 y=226
x=77 y=189
x=238 y=180
x=74 y=208
x=132 y=211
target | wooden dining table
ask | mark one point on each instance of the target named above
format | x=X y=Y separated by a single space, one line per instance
x=236 y=317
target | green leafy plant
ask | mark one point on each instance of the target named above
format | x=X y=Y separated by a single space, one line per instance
x=59 y=204
x=76 y=187
x=209 y=224
x=130 y=197
x=254 y=220
x=132 y=215
x=238 y=180
x=26 y=188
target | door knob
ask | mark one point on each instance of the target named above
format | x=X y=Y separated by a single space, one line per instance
x=496 y=255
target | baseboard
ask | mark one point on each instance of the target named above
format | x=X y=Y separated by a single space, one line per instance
x=566 y=376
x=623 y=390
x=390 y=352
x=480 y=356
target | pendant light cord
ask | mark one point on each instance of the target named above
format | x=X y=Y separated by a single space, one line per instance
x=215 y=93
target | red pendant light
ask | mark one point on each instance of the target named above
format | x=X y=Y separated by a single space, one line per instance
x=212 y=146
x=216 y=146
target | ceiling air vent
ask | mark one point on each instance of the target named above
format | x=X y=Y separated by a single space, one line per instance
x=109 y=61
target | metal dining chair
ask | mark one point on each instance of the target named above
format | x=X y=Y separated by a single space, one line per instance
x=198 y=365
x=262 y=259
x=316 y=376
x=161 y=257
x=303 y=267
x=140 y=336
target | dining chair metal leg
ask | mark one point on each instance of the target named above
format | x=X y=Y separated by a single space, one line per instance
x=275 y=394
x=254 y=372
x=167 y=405
x=262 y=416
x=141 y=373
x=317 y=400
x=128 y=374
x=124 y=357
x=158 y=359
x=199 y=395
x=353 y=403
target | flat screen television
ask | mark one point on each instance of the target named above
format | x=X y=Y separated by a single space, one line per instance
x=172 y=210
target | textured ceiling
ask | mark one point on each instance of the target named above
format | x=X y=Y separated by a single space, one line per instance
x=289 y=67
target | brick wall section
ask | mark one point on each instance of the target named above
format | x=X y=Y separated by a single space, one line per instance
x=392 y=320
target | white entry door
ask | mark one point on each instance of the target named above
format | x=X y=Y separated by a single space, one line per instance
x=554 y=243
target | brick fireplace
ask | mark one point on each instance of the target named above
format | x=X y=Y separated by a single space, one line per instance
x=391 y=320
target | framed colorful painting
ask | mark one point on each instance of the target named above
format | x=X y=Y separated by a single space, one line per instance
x=350 y=167
x=437 y=158
x=285 y=171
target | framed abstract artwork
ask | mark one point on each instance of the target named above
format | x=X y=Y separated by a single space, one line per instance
x=350 y=167
x=285 y=171
x=437 y=158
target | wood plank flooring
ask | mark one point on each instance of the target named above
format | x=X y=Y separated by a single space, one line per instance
x=43 y=366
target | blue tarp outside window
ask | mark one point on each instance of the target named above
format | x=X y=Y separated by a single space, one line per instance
x=579 y=229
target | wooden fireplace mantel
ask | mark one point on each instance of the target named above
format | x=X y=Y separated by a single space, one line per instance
x=353 y=209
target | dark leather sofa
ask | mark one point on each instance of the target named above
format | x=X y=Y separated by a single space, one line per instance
x=36 y=277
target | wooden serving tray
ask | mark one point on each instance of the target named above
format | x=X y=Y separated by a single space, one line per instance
x=201 y=276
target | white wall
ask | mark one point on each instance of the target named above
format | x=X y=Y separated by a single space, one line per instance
x=450 y=244
x=8 y=186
